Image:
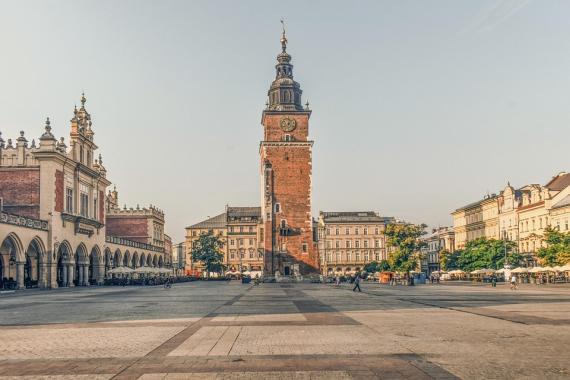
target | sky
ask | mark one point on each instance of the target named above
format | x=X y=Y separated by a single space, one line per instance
x=419 y=107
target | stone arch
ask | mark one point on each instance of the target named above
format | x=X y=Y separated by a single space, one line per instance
x=143 y=259
x=160 y=262
x=117 y=258
x=96 y=269
x=34 y=267
x=149 y=260
x=126 y=259
x=62 y=258
x=108 y=261
x=135 y=261
x=154 y=261
x=81 y=261
x=11 y=258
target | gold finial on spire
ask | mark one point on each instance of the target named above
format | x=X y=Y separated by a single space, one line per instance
x=283 y=37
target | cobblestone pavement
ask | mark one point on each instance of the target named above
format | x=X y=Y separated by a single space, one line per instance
x=221 y=330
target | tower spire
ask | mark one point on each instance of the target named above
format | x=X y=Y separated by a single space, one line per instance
x=283 y=37
x=284 y=93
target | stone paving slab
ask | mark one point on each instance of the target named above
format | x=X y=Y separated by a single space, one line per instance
x=82 y=343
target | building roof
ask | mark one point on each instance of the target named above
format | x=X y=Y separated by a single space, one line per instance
x=355 y=217
x=218 y=221
x=560 y=182
x=473 y=204
x=563 y=203
x=239 y=212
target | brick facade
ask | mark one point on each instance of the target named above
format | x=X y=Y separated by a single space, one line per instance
x=20 y=191
x=290 y=188
x=131 y=228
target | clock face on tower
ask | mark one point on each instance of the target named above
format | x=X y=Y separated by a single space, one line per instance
x=287 y=124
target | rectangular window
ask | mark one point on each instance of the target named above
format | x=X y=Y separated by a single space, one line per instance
x=347 y=231
x=376 y=243
x=240 y=228
x=366 y=256
x=357 y=244
x=337 y=244
x=193 y=233
x=329 y=257
x=329 y=244
x=365 y=243
x=348 y=244
x=83 y=205
x=232 y=242
x=356 y=231
x=251 y=254
x=69 y=200
x=95 y=208
x=366 y=231
x=357 y=256
x=337 y=231
x=250 y=241
x=376 y=231
x=305 y=247
x=348 y=256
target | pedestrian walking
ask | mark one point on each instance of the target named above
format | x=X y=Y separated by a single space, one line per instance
x=337 y=281
x=513 y=282
x=357 y=283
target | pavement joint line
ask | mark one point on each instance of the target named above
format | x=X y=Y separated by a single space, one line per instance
x=175 y=341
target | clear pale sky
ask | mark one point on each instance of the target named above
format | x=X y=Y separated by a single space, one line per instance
x=419 y=107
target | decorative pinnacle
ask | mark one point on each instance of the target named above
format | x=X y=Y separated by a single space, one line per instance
x=83 y=100
x=48 y=125
x=283 y=37
x=100 y=159
x=307 y=105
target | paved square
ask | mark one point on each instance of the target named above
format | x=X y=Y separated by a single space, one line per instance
x=220 y=330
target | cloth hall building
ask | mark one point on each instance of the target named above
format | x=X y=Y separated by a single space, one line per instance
x=59 y=227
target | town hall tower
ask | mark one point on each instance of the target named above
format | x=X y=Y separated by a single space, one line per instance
x=286 y=165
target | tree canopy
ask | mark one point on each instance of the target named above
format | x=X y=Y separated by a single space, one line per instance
x=479 y=254
x=376 y=266
x=404 y=239
x=208 y=250
x=557 y=251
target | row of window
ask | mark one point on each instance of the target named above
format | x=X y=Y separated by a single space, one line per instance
x=241 y=229
x=348 y=256
x=84 y=209
x=356 y=231
x=349 y=244
x=242 y=255
x=240 y=242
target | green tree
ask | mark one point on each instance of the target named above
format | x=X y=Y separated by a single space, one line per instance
x=448 y=260
x=404 y=238
x=376 y=266
x=208 y=249
x=557 y=250
x=484 y=253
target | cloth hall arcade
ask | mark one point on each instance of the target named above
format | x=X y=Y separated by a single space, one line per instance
x=56 y=213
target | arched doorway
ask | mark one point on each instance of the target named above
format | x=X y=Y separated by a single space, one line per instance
x=155 y=261
x=63 y=275
x=135 y=260
x=149 y=260
x=108 y=262
x=117 y=259
x=32 y=265
x=81 y=262
x=93 y=275
x=127 y=259
x=10 y=251
x=143 y=260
